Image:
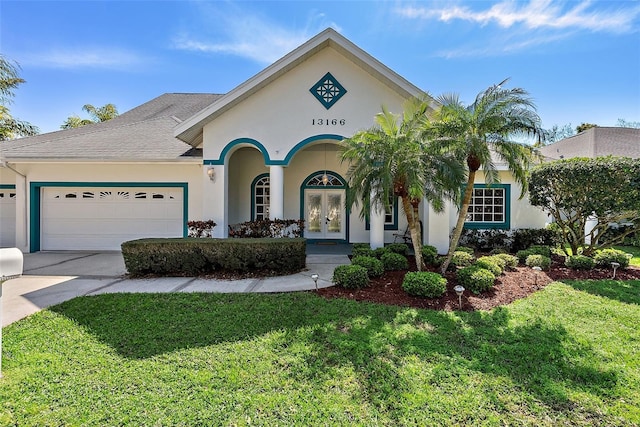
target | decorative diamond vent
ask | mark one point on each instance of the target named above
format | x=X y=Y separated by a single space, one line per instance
x=328 y=90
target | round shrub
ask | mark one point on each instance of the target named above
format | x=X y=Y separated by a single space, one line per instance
x=378 y=252
x=392 y=261
x=351 y=276
x=462 y=259
x=579 y=262
x=541 y=250
x=523 y=254
x=373 y=265
x=429 y=254
x=490 y=264
x=510 y=261
x=476 y=279
x=362 y=250
x=535 y=260
x=398 y=248
x=604 y=258
x=424 y=284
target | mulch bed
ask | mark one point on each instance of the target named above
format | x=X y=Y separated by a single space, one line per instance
x=510 y=286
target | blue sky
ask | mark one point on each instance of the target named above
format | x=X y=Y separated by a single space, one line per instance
x=580 y=60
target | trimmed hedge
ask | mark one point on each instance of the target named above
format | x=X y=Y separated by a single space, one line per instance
x=393 y=261
x=424 y=284
x=372 y=264
x=476 y=279
x=194 y=256
x=536 y=260
x=604 y=258
x=351 y=276
x=579 y=262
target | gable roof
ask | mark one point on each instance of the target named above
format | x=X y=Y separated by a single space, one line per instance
x=143 y=133
x=595 y=142
x=190 y=131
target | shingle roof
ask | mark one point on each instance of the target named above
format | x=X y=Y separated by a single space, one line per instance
x=143 y=133
x=595 y=142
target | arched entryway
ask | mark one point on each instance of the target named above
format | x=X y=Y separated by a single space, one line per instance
x=323 y=206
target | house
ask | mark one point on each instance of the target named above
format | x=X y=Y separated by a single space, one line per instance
x=267 y=149
x=595 y=142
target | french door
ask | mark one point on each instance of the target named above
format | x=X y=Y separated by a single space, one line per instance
x=325 y=214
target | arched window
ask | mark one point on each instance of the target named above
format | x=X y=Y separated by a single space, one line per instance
x=260 y=191
x=324 y=180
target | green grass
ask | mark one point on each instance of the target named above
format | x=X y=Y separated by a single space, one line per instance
x=567 y=355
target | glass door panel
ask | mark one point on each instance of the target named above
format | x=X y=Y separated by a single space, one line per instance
x=325 y=213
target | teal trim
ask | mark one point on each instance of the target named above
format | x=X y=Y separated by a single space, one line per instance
x=304 y=143
x=233 y=144
x=506 y=224
x=253 y=194
x=35 y=196
x=328 y=90
x=344 y=186
x=394 y=226
x=7 y=187
x=265 y=153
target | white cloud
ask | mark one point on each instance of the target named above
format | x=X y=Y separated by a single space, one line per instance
x=83 y=57
x=248 y=35
x=538 y=14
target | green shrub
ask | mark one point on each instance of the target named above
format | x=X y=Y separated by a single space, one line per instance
x=351 y=276
x=378 y=252
x=424 y=284
x=476 y=279
x=579 y=262
x=264 y=228
x=393 y=261
x=429 y=254
x=526 y=237
x=465 y=249
x=461 y=259
x=536 y=260
x=373 y=265
x=523 y=254
x=362 y=250
x=541 y=250
x=604 y=258
x=398 y=248
x=510 y=261
x=195 y=256
x=489 y=263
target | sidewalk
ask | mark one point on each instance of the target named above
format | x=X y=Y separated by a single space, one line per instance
x=53 y=277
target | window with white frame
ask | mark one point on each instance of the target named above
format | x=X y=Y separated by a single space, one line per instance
x=489 y=207
x=261 y=197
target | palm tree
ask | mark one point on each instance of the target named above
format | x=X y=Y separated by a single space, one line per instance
x=98 y=115
x=11 y=127
x=480 y=133
x=391 y=159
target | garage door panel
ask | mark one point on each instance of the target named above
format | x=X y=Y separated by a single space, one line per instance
x=87 y=218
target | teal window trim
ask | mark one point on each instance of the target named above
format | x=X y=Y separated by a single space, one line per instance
x=7 y=187
x=504 y=225
x=253 y=193
x=35 y=196
x=387 y=226
x=343 y=186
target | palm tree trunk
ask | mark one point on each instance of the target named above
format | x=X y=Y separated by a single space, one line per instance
x=462 y=215
x=414 y=228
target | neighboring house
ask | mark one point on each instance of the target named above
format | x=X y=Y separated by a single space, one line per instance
x=595 y=142
x=267 y=149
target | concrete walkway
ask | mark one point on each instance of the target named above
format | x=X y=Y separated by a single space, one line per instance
x=53 y=277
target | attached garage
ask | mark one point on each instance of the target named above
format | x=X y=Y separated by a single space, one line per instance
x=7 y=216
x=102 y=217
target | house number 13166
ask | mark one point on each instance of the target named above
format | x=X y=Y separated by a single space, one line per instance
x=328 y=122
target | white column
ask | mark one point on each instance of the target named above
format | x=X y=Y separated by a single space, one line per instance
x=276 y=192
x=215 y=197
x=376 y=225
x=22 y=236
x=437 y=227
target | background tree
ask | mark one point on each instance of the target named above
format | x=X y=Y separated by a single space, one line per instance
x=555 y=134
x=11 y=127
x=392 y=160
x=627 y=124
x=479 y=133
x=576 y=189
x=97 y=114
x=584 y=126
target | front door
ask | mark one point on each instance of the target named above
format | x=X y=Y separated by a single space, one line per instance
x=325 y=214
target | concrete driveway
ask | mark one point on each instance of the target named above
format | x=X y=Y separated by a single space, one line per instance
x=50 y=278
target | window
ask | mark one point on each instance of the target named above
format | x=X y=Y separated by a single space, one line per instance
x=261 y=197
x=390 y=215
x=489 y=207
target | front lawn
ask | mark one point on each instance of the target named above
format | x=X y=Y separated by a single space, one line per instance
x=567 y=355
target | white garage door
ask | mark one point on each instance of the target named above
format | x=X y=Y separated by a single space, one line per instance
x=7 y=218
x=103 y=218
